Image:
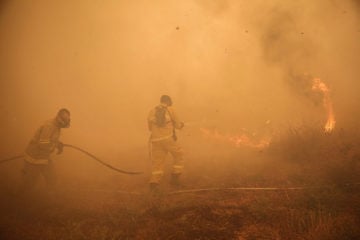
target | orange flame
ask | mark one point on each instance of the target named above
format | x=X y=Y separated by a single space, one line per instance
x=319 y=85
x=235 y=140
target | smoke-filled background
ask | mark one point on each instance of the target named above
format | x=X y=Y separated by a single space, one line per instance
x=268 y=91
x=229 y=65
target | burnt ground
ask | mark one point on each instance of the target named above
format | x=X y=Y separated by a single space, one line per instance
x=90 y=214
x=107 y=205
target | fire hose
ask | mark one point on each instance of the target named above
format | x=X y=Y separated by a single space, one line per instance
x=227 y=189
x=86 y=153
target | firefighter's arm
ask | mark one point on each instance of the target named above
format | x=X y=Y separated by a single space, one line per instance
x=150 y=120
x=177 y=123
x=60 y=147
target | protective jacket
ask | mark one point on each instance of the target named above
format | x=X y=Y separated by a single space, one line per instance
x=43 y=143
x=172 y=121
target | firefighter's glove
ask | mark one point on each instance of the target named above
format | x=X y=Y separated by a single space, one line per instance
x=60 y=147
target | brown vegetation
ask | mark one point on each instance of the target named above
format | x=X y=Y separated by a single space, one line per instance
x=329 y=164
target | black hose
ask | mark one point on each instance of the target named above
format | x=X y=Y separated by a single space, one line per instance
x=85 y=152
x=97 y=159
x=11 y=158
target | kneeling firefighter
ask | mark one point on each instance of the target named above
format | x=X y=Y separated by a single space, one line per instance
x=162 y=122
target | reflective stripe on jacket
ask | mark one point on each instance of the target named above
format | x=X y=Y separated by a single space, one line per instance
x=43 y=143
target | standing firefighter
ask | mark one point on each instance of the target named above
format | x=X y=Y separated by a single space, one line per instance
x=162 y=122
x=37 y=154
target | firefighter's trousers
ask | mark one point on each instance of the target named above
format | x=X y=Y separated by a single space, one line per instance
x=159 y=151
x=31 y=173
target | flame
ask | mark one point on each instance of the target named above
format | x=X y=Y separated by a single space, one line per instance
x=319 y=85
x=235 y=140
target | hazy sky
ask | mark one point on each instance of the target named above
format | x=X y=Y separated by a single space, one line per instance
x=229 y=64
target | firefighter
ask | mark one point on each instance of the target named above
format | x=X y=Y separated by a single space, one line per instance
x=162 y=122
x=37 y=154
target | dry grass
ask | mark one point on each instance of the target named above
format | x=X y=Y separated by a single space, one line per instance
x=300 y=157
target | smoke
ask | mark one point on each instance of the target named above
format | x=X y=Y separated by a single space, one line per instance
x=356 y=3
x=3 y=4
x=230 y=65
x=282 y=39
x=214 y=7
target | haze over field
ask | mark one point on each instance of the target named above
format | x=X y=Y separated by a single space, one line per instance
x=268 y=91
x=229 y=65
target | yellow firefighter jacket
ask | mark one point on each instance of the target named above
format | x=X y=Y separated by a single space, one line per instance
x=43 y=143
x=161 y=133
